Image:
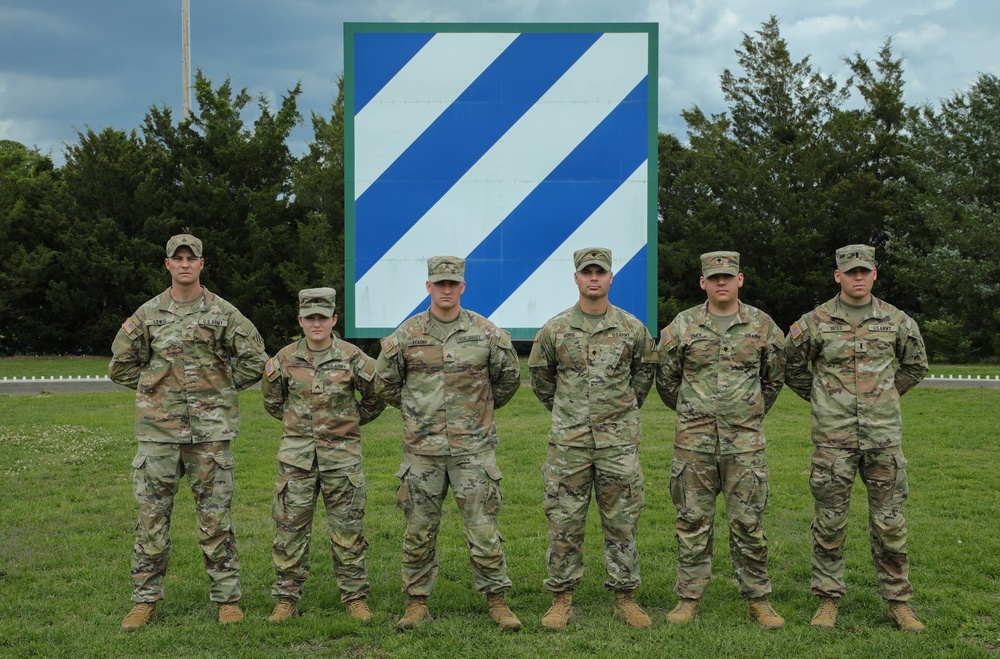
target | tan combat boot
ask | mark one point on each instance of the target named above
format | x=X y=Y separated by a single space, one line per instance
x=139 y=616
x=285 y=609
x=684 y=612
x=358 y=609
x=416 y=614
x=826 y=615
x=561 y=611
x=901 y=614
x=501 y=613
x=761 y=611
x=629 y=611
x=229 y=613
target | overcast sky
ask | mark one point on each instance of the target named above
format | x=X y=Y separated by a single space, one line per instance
x=66 y=65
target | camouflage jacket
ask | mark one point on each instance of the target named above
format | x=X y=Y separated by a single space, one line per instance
x=720 y=380
x=593 y=379
x=187 y=368
x=447 y=387
x=854 y=384
x=315 y=399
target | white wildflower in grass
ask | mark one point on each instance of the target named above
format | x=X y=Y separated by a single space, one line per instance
x=47 y=446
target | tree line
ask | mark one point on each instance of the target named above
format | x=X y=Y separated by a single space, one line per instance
x=796 y=166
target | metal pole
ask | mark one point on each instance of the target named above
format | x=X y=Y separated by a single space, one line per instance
x=185 y=60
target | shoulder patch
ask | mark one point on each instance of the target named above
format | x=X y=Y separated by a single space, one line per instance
x=130 y=325
x=666 y=338
x=269 y=367
x=389 y=344
x=796 y=331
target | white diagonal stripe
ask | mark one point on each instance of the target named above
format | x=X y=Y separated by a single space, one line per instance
x=417 y=95
x=551 y=286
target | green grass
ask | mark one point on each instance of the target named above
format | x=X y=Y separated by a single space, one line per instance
x=49 y=366
x=68 y=514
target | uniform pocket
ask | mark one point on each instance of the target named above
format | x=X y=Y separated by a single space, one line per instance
x=677 y=484
x=403 y=496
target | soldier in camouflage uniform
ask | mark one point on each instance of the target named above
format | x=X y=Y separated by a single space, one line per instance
x=853 y=344
x=186 y=352
x=447 y=369
x=721 y=369
x=310 y=385
x=592 y=367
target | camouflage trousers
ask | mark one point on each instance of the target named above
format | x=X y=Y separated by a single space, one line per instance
x=569 y=475
x=475 y=483
x=883 y=471
x=155 y=481
x=344 y=497
x=696 y=479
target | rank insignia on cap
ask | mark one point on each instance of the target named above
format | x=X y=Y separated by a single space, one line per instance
x=129 y=326
x=269 y=367
x=796 y=330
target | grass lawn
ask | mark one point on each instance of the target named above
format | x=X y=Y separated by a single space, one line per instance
x=68 y=514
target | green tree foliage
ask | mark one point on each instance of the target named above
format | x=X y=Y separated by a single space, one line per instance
x=318 y=183
x=230 y=184
x=947 y=238
x=33 y=229
x=786 y=176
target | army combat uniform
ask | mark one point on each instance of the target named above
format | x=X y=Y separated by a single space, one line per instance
x=854 y=387
x=593 y=379
x=313 y=394
x=721 y=378
x=447 y=388
x=186 y=362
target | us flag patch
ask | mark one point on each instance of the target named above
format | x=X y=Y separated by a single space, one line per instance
x=796 y=330
x=269 y=367
x=129 y=326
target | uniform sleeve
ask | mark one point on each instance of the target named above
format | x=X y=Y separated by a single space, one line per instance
x=912 y=357
x=772 y=372
x=542 y=368
x=799 y=352
x=670 y=364
x=247 y=351
x=390 y=371
x=505 y=370
x=370 y=405
x=130 y=351
x=274 y=387
x=644 y=361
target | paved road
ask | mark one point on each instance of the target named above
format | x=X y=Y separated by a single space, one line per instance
x=85 y=385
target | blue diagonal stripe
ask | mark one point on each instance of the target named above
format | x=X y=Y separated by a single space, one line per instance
x=383 y=56
x=459 y=137
x=560 y=204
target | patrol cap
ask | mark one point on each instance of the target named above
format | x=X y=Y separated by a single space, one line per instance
x=445 y=268
x=182 y=240
x=599 y=256
x=317 y=302
x=856 y=256
x=720 y=263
